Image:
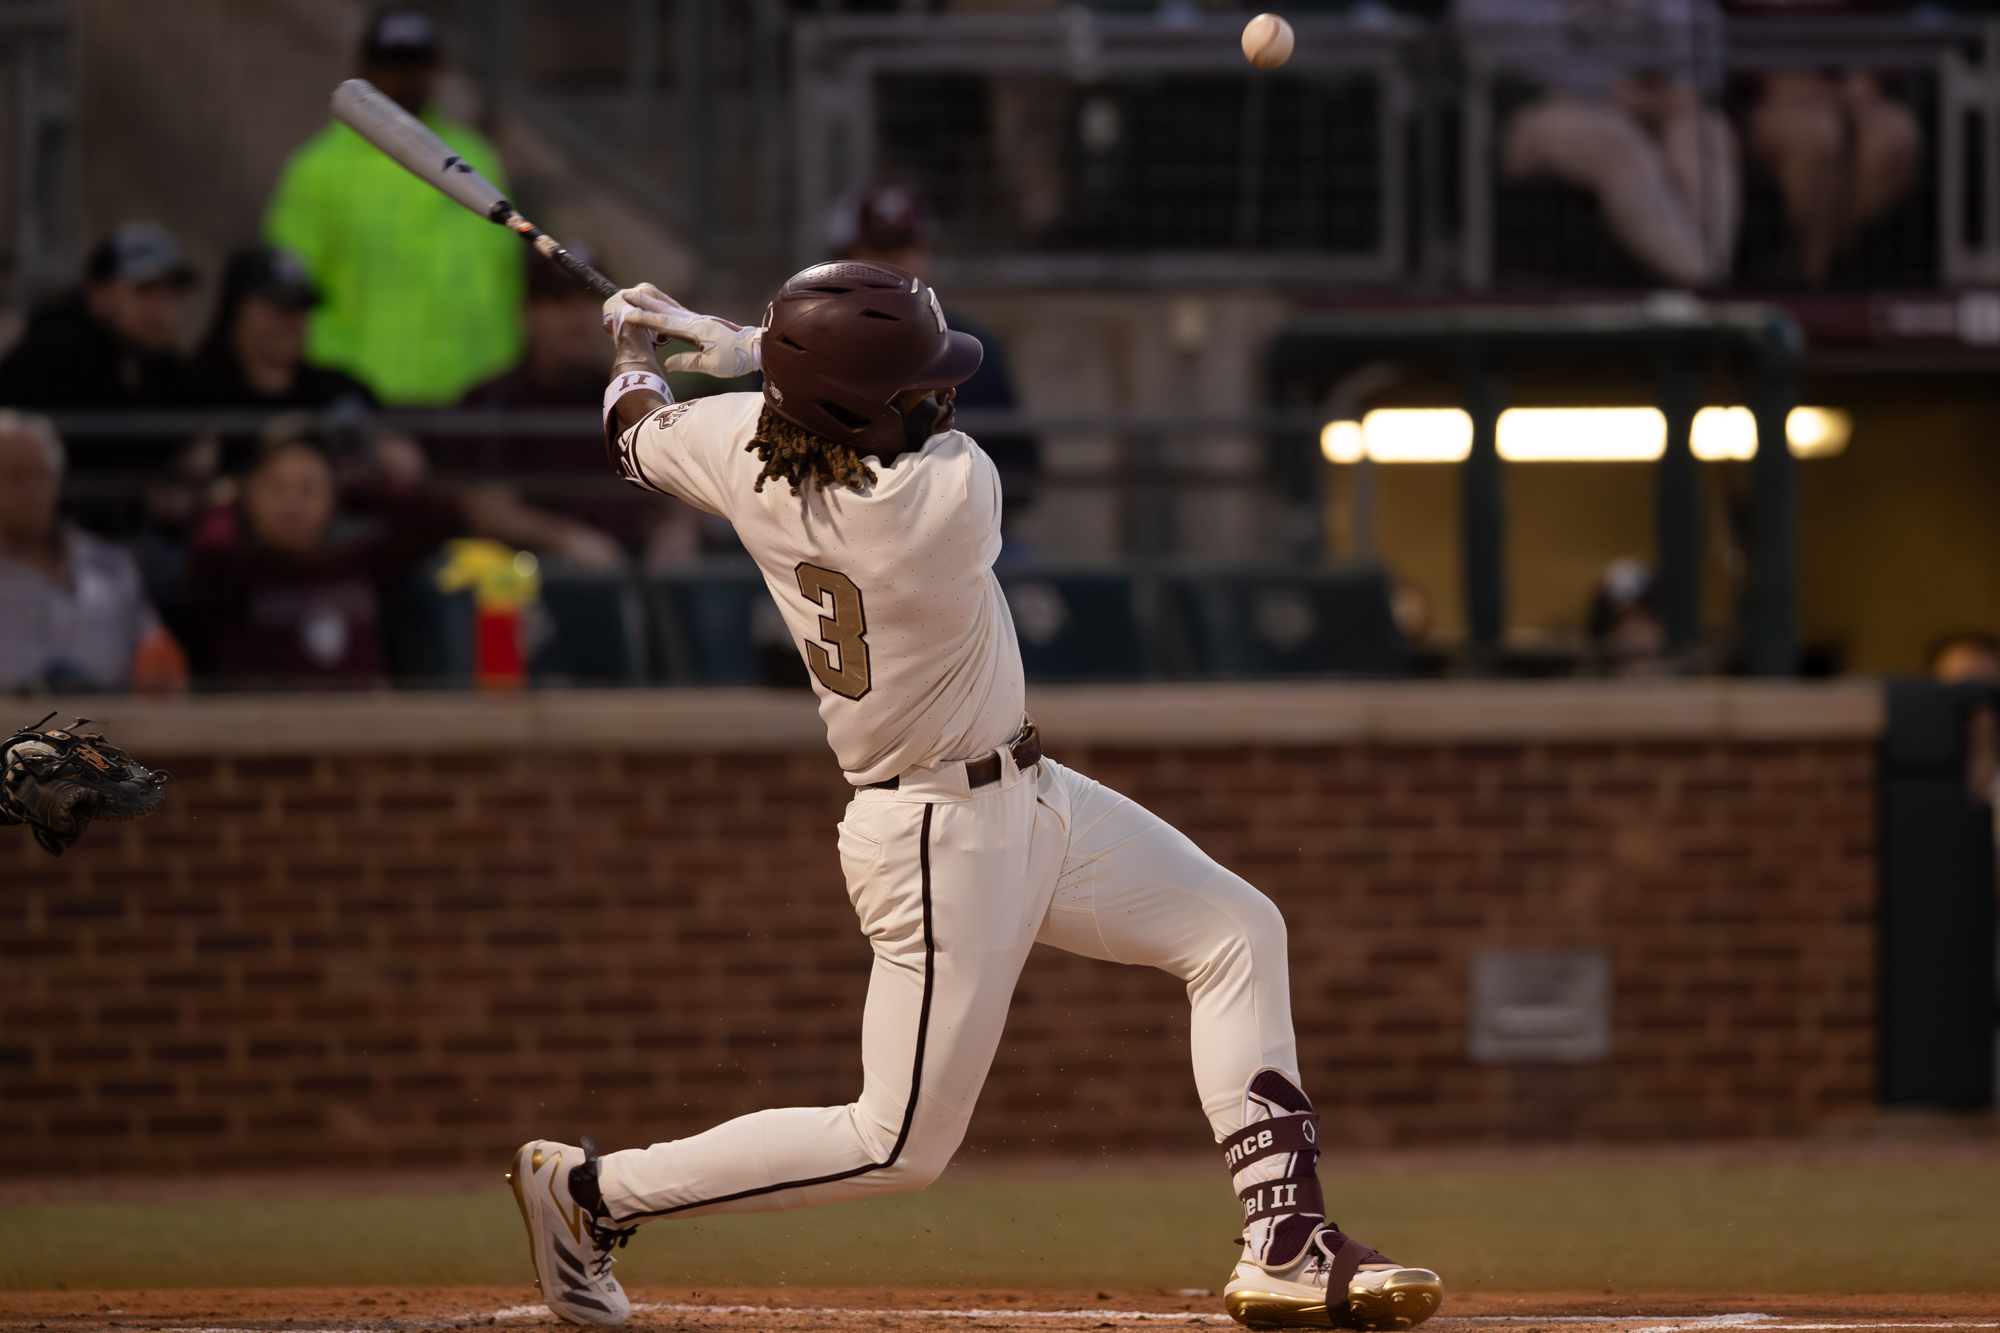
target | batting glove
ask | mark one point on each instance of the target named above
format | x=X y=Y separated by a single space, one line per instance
x=644 y=306
x=726 y=350
x=723 y=349
x=625 y=319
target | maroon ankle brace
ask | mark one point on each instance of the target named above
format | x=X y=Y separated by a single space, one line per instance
x=1273 y=1163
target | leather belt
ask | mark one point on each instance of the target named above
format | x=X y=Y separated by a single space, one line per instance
x=1026 y=750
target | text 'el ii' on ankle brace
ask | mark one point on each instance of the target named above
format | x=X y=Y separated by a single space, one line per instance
x=1273 y=1162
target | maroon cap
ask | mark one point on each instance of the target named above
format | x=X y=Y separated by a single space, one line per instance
x=843 y=339
x=880 y=217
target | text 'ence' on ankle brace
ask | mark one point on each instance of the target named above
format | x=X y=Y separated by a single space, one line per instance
x=1273 y=1163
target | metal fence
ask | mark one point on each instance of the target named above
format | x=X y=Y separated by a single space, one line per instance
x=1145 y=606
x=37 y=149
x=1104 y=145
x=1081 y=147
x=1135 y=479
x=683 y=105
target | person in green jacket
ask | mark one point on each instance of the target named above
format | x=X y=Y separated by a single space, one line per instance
x=422 y=299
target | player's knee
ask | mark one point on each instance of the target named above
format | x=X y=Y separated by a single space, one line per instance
x=1255 y=935
x=1263 y=926
x=922 y=1160
x=922 y=1164
x=1259 y=925
x=923 y=1154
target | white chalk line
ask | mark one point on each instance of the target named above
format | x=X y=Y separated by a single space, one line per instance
x=1634 y=1323
x=1761 y=1322
x=1693 y=1322
x=1185 y=1317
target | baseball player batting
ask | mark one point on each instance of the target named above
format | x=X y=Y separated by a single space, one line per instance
x=876 y=524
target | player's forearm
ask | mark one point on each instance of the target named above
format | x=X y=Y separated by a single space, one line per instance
x=636 y=390
x=636 y=363
x=633 y=408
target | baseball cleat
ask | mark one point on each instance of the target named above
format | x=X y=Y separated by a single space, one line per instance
x=570 y=1245
x=1379 y=1294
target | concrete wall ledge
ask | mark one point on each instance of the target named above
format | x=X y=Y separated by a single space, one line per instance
x=1153 y=714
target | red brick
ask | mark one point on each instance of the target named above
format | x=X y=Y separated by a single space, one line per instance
x=699 y=898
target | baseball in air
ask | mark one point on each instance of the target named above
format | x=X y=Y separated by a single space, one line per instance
x=1267 y=41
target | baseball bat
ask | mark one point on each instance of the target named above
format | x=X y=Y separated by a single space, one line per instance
x=363 y=108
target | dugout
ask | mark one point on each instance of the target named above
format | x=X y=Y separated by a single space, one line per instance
x=1336 y=360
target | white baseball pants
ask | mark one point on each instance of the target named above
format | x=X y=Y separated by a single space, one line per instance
x=952 y=886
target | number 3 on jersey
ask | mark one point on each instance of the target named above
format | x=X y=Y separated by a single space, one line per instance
x=846 y=630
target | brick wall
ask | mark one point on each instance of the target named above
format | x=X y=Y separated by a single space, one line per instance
x=427 y=958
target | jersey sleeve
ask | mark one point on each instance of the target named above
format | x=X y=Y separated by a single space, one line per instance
x=692 y=450
x=983 y=502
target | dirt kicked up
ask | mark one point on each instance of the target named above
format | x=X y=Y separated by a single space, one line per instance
x=904 y=1310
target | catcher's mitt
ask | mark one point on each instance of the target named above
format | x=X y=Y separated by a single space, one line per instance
x=56 y=782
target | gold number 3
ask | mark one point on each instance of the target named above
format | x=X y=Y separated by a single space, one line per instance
x=846 y=630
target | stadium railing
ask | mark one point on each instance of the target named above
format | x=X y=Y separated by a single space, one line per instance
x=1149 y=605
x=38 y=204
x=1138 y=148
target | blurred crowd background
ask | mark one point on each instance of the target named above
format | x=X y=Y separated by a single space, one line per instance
x=277 y=415
x=1633 y=339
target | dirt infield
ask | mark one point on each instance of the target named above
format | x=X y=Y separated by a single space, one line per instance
x=905 y=1310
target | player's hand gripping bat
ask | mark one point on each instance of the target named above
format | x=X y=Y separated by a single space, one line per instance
x=363 y=108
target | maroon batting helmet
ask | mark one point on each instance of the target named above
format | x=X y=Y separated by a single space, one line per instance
x=843 y=339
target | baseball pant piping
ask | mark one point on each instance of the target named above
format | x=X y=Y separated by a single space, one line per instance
x=916 y=1073
x=952 y=889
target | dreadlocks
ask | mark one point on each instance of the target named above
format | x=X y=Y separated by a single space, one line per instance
x=796 y=455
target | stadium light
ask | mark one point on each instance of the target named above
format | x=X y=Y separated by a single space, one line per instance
x=1582 y=434
x=1417 y=434
x=1574 y=434
x=1342 y=442
x=1724 y=432
x=1731 y=432
x=1818 y=432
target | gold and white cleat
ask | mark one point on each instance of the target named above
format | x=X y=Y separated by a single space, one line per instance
x=571 y=1248
x=1379 y=1293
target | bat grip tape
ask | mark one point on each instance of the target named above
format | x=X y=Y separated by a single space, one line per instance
x=553 y=250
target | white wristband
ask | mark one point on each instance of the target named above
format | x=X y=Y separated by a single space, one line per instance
x=629 y=382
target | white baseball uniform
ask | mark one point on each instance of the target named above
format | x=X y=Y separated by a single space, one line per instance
x=890 y=592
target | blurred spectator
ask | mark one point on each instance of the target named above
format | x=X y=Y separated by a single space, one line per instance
x=1627 y=634
x=282 y=600
x=111 y=344
x=73 y=615
x=1030 y=120
x=253 y=355
x=1620 y=113
x=1842 y=151
x=1973 y=658
x=893 y=224
x=250 y=359
x=566 y=365
x=1965 y=658
x=1843 y=155
x=422 y=299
